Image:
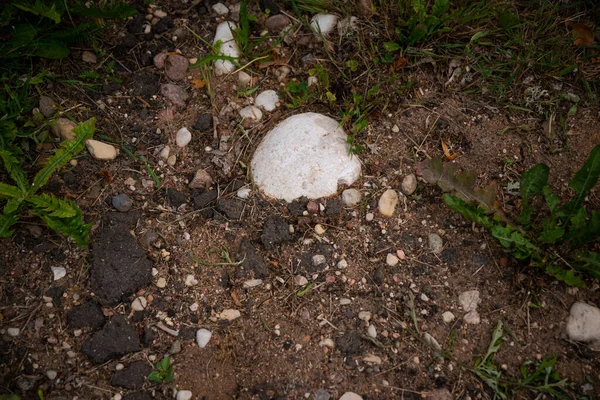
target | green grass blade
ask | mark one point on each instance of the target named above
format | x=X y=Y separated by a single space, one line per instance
x=68 y=149
x=585 y=179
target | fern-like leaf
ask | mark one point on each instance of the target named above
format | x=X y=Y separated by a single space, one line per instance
x=6 y=221
x=72 y=227
x=53 y=206
x=9 y=191
x=62 y=155
x=13 y=167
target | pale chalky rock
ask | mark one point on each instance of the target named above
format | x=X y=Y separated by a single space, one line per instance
x=251 y=113
x=448 y=317
x=244 y=79
x=391 y=260
x=304 y=155
x=409 y=184
x=387 y=202
x=267 y=100
x=202 y=180
x=244 y=193
x=347 y=25
x=58 y=272
x=469 y=300
x=203 y=337
x=351 y=197
x=229 y=314
x=323 y=24
x=63 y=129
x=184 y=395
x=183 y=137
x=13 y=332
x=100 y=150
x=436 y=244
x=229 y=47
x=584 y=324
x=139 y=304
x=220 y=9
x=472 y=317
x=372 y=359
x=350 y=396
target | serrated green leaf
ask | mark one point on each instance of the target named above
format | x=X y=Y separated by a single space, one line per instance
x=72 y=227
x=51 y=49
x=440 y=7
x=468 y=211
x=391 y=46
x=584 y=179
x=588 y=262
x=565 y=275
x=444 y=175
x=12 y=205
x=40 y=8
x=578 y=220
x=532 y=184
x=53 y=206
x=13 y=166
x=6 y=221
x=61 y=156
x=418 y=33
x=552 y=200
x=9 y=191
x=154 y=376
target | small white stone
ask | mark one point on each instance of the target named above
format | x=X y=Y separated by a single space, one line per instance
x=220 y=9
x=448 y=317
x=190 y=280
x=183 y=137
x=323 y=24
x=184 y=394
x=430 y=340
x=387 y=202
x=203 y=337
x=139 y=304
x=58 y=272
x=391 y=260
x=244 y=193
x=319 y=259
x=244 y=79
x=299 y=280
x=312 y=80
x=13 y=332
x=251 y=113
x=472 y=317
x=369 y=217
x=372 y=331
x=194 y=307
x=342 y=264
x=364 y=316
x=395 y=128
x=160 y=13
x=100 y=150
x=436 y=244
x=172 y=160
x=229 y=314
x=154 y=272
x=584 y=324
x=119 y=367
x=469 y=300
x=409 y=184
x=372 y=359
x=229 y=47
x=161 y=282
x=319 y=229
x=326 y=343
x=252 y=283
x=51 y=374
x=164 y=153
x=344 y=301
x=267 y=100
x=351 y=197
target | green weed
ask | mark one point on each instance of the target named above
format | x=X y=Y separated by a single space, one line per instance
x=538 y=377
x=554 y=240
x=163 y=372
x=62 y=215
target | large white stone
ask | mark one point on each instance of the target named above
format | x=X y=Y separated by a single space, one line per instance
x=305 y=155
x=584 y=324
x=322 y=24
x=228 y=48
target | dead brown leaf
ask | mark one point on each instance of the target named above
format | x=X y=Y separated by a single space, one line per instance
x=275 y=62
x=582 y=35
x=447 y=153
x=197 y=83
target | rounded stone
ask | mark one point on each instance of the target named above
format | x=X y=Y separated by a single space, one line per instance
x=436 y=244
x=267 y=100
x=305 y=155
x=351 y=197
x=184 y=395
x=183 y=137
x=122 y=202
x=387 y=202
x=584 y=324
x=409 y=184
x=203 y=337
x=350 y=396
